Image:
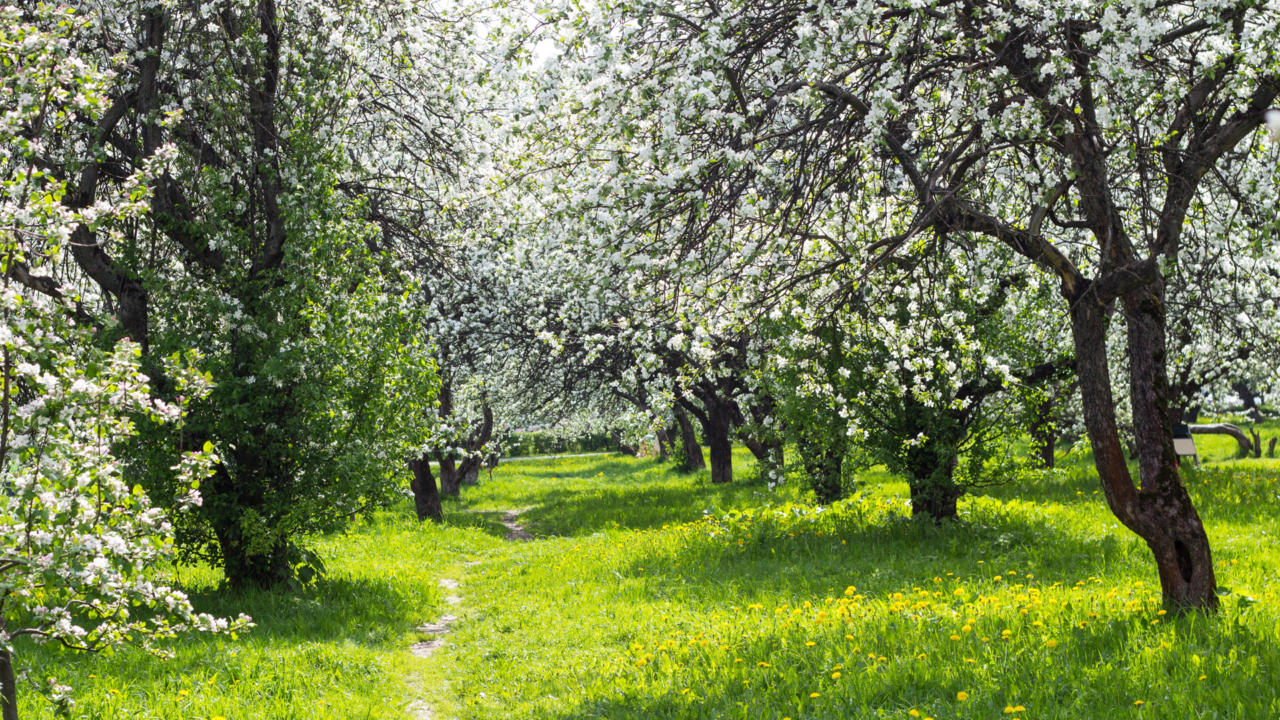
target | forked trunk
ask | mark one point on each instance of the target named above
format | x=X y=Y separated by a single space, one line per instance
x=1160 y=512
x=426 y=498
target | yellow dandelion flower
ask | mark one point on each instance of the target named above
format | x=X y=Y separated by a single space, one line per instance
x=955 y=637
x=966 y=628
x=1203 y=677
x=1052 y=643
x=809 y=644
x=962 y=696
x=835 y=676
x=921 y=656
x=763 y=664
x=1008 y=709
x=1019 y=709
x=913 y=713
x=814 y=695
x=1139 y=702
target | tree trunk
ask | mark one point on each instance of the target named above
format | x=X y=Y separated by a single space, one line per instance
x=243 y=570
x=934 y=501
x=1161 y=512
x=469 y=473
x=689 y=441
x=1271 y=448
x=8 y=687
x=426 y=499
x=623 y=448
x=1044 y=433
x=449 y=482
x=660 y=437
x=716 y=431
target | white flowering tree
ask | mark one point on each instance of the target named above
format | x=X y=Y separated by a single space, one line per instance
x=82 y=551
x=309 y=143
x=1083 y=137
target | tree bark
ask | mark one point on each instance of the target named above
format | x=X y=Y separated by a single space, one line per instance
x=1160 y=512
x=8 y=687
x=1246 y=447
x=1271 y=448
x=426 y=499
x=715 y=428
x=469 y=472
x=689 y=442
x=449 y=482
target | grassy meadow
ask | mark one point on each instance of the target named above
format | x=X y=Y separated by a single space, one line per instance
x=650 y=594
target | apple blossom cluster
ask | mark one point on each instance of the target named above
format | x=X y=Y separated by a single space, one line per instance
x=82 y=550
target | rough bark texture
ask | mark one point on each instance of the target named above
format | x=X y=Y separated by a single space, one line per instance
x=715 y=428
x=689 y=442
x=450 y=483
x=426 y=498
x=1160 y=512
x=8 y=687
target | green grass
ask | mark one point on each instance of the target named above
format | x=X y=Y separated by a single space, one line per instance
x=651 y=594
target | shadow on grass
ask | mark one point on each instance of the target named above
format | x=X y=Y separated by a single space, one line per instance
x=487 y=521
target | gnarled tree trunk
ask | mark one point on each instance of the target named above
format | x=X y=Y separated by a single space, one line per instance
x=689 y=441
x=450 y=483
x=716 y=419
x=1160 y=512
x=426 y=499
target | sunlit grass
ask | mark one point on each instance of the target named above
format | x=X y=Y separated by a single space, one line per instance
x=652 y=594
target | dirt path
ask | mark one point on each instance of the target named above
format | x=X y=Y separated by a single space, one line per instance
x=438 y=630
x=516 y=533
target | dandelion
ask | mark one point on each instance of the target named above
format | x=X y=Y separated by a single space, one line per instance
x=815 y=695
x=962 y=696
x=809 y=644
x=1139 y=702
x=913 y=713
x=763 y=664
x=835 y=676
x=1052 y=643
x=955 y=637
x=966 y=628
